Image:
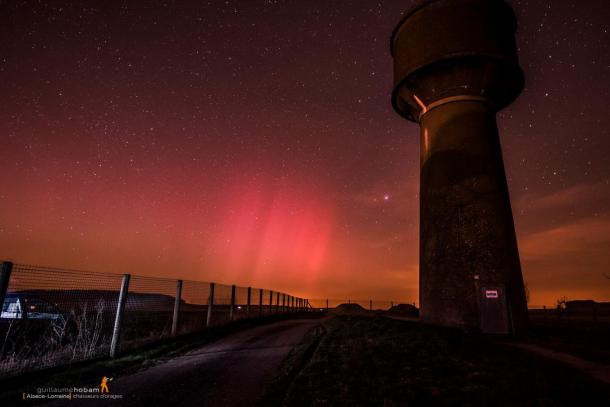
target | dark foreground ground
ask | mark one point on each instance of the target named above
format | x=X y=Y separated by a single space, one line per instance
x=224 y=366
x=363 y=361
x=346 y=360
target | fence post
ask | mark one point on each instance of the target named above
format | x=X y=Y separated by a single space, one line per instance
x=277 y=303
x=283 y=303
x=248 y=305
x=177 y=307
x=208 y=321
x=232 y=302
x=370 y=305
x=270 y=302
x=5 y=276
x=292 y=303
x=120 y=307
x=327 y=305
x=260 y=303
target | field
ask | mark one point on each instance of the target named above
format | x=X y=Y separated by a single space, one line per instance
x=364 y=360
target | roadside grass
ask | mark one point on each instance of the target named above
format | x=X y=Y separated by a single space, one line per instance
x=375 y=361
x=89 y=373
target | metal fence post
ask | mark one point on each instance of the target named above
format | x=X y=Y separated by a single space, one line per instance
x=370 y=305
x=326 y=305
x=260 y=303
x=208 y=321
x=283 y=303
x=270 y=302
x=120 y=307
x=177 y=307
x=232 y=302
x=277 y=303
x=248 y=305
x=5 y=276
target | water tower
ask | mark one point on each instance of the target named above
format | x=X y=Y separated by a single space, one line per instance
x=455 y=66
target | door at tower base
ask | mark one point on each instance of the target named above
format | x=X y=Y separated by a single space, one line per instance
x=493 y=309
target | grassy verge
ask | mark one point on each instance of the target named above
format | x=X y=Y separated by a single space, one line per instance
x=364 y=361
x=89 y=373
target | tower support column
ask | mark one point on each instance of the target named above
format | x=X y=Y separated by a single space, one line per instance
x=467 y=236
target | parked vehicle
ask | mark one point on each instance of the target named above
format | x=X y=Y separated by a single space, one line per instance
x=20 y=307
x=29 y=323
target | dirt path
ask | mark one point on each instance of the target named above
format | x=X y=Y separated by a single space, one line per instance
x=233 y=371
x=595 y=370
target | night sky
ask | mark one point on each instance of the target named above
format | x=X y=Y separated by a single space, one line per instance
x=253 y=142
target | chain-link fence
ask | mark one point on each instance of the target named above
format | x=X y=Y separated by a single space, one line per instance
x=53 y=316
